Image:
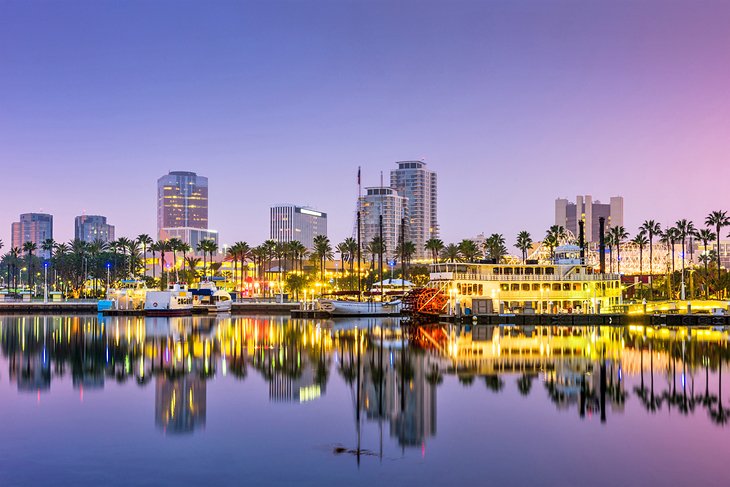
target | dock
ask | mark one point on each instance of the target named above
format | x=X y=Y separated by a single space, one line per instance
x=657 y=320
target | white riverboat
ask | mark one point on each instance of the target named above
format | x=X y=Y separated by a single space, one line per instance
x=177 y=300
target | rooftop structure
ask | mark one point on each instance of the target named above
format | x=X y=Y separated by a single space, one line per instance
x=300 y=223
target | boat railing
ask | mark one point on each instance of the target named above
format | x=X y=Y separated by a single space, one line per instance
x=457 y=276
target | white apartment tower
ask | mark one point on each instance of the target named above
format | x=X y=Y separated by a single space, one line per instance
x=387 y=202
x=413 y=181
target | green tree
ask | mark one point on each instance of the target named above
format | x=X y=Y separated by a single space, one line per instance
x=494 y=247
x=435 y=246
x=641 y=241
x=145 y=241
x=718 y=219
x=469 y=250
x=451 y=253
x=29 y=248
x=706 y=236
x=618 y=234
x=652 y=229
x=524 y=244
x=322 y=252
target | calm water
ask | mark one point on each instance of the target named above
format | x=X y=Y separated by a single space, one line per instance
x=270 y=400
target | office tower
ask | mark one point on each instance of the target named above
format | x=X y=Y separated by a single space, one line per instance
x=416 y=183
x=568 y=214
x=182 y=208
x=32 y=227
x=301 y=223
x=387 y=202
x=93 y=227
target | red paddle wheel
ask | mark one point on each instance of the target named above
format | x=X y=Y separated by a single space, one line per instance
x=425 y=300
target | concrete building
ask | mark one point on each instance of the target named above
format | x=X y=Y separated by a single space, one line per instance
x=568 y=214
x=301 y=223
x=412 y=180
x=182 y=208
x=92 y=227
x=387 y=202
x=32 y=227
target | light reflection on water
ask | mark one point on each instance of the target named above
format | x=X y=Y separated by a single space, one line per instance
x=365 y=390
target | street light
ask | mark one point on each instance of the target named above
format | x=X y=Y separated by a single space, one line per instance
x=108 y=266
x=45 y=282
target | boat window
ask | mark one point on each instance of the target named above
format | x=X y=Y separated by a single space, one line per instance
x=515 y=287
x=504 y=287
x=458 y=288
x=556 y=286
x=538 y=271
x=525 y=287
x=535 y=287
x=528 y=271
x=566 y=286
x=496 y=270
x=550 y=271
x=518 y=270
x=508 y=271
x=576 y=287
x=546 y=286
x=481 y=290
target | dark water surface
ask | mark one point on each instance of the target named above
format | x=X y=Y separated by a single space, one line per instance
x=270 y=400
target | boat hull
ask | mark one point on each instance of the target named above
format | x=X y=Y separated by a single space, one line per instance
x=359 y=308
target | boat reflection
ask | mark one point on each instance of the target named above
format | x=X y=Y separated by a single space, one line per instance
x=393 y=370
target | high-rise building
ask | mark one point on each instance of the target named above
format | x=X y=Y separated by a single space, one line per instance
x=387 y=202
x=182 y=208
x=32 y=227
x=93 y=227
x=301 y=223
x=412 y=180
x=568 y=214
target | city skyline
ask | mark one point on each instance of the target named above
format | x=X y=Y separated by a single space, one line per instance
x=277 y=103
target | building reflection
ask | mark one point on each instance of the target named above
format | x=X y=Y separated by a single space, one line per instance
x=393 y=372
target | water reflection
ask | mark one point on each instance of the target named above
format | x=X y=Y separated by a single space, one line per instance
x=393 y=372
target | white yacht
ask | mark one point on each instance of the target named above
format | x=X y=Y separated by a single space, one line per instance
x=207 y=297
x=177 y=300
x=341 y=307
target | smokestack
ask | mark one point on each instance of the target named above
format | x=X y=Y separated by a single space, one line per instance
x=582 y=242
x=602 y=243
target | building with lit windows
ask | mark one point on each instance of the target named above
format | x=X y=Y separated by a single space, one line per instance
x=291 y=222
x=412 y=180
x=32 y=227
x=93 y=227
x=387 y=202
x=568 y=214
x=182 y=208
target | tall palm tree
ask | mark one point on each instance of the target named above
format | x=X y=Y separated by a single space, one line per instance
x=406 y=251
x=435 y=246
x=610 y=244
x=469 y=250
x=350 y=246
x=376 y=247
x=154 y=247
x=705 y=235
x=232 y=255
x=323 y=252
x=29 y=248
x=685 y=228
x=15 y=254
x=524 y=244
x=451 y=253
x=175 y=245
x=145 y=241
x=641 y=241
x=619 y=234
x=718 y=220
x=651 y=228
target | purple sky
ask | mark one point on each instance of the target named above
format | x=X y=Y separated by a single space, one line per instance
x=513 y=103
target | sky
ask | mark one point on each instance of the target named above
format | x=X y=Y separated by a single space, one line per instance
x=513 y=103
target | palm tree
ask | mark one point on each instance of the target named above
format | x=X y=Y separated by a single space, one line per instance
x=524 y=244
x=651 y=228
x=323 y=252
x=175 y=245
x=684 y=228
x=705 y=235
x=406 y=252
x=375 y=247
x=718 y=219
x=554 y=235
x=145 y=241
x=29 y=248
x=494 y=247
x=451 y=253
x=469 y=250
x=610 y=245
x=619 y=234
x=154 y=247
x=641 y=241
x=350 y=246
x=435 y=246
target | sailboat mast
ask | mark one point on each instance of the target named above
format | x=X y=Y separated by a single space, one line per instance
x=359 y=246
x=382 y=243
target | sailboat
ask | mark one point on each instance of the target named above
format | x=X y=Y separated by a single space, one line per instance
x=344 y=307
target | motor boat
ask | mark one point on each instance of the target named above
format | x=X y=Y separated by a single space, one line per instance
x=177 y=300
x=208 y=298
x=341 y=307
